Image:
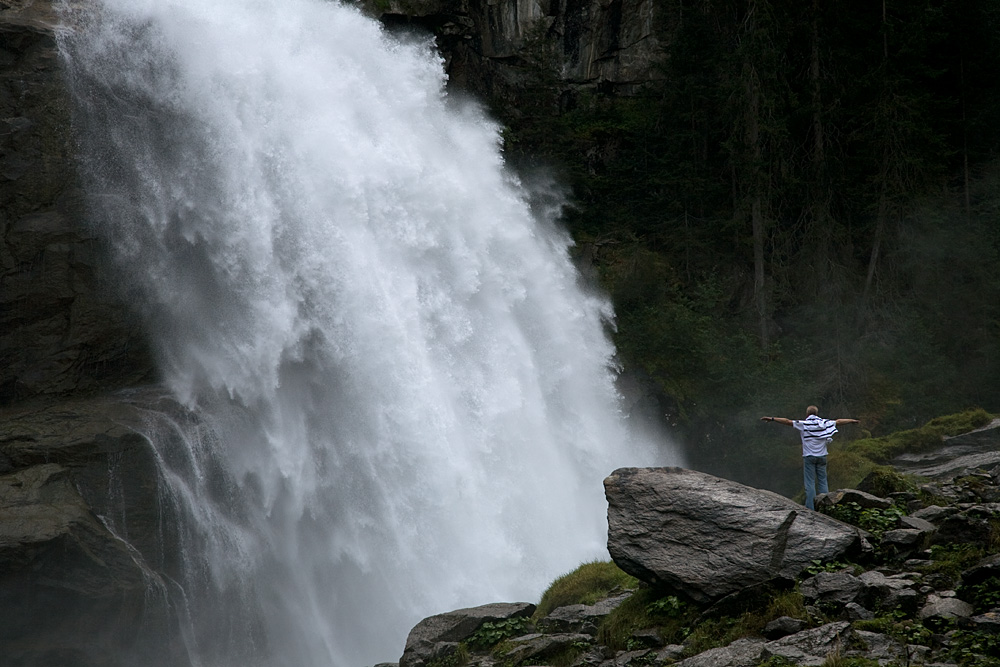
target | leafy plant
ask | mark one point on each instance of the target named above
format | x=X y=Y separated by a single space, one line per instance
x=818 y=566
x=984 y=595
x=875 y=521
x=492 y=633
x=975 y=649
x=669 y=606
x=920 y=439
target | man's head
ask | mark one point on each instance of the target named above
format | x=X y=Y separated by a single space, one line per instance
x=812 y=410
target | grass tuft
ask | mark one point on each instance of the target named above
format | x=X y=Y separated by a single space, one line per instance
x=928 y=436
x=585 y=585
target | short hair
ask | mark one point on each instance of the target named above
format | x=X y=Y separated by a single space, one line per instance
x=812 y=410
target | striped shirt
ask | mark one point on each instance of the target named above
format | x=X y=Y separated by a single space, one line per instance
x=816 y=434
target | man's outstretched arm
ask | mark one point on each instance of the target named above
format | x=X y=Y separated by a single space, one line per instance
x=780 y=420
x=841 y=422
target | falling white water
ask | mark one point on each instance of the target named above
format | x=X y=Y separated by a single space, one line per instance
x=406 y=396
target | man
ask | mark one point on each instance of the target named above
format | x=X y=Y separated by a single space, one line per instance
x=816 y=434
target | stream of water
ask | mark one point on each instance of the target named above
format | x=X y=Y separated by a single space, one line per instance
x=405 y=393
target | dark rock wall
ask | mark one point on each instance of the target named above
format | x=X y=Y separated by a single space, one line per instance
x=61 y=330
x=490 y=47
x=87 y=542
x=84 y=538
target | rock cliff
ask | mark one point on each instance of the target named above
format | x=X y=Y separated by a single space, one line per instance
x=61 y=329
x=496 y=49
x=86 y=545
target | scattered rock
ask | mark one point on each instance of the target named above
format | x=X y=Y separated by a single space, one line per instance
x=915 y=523
x=856 y=612
x=831 y=588
x=649 y=638
x=670 y=652
x=933 y=513
x=983 y=570
x=988 y=622
x=905 y=538
x=783 y=626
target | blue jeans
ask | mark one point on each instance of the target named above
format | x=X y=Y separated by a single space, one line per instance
x=814 y=477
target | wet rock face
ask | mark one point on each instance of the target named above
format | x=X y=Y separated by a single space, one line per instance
x=60 y=329
x=76 y=482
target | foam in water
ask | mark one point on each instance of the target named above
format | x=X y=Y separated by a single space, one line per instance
x=406 y=396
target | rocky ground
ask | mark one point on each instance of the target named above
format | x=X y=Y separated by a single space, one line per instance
x=902 y=571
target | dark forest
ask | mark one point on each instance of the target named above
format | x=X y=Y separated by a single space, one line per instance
x=803 y=208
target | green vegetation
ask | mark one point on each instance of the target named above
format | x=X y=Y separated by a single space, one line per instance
x=585 y=585
x=492 y=633
x=949 y=560
x=875 y=521
x=775 y=236
x=456 y=659
x=976 y=649
x=644 y=609
x=896 y=624
x=984 y=595
x=920 y=439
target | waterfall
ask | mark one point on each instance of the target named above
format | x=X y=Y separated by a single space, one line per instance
x=405 y=394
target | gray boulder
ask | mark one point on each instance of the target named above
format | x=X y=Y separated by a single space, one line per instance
x=855 y=612
x=438 y=636
x=708 y=537
x=881 y=592
x=783 y=626
x=933 y=513
x=811 y=647
x=917 y=523
x=988 y=622
x=831 y=588
x=903 y=538
x=945 y=609
x=741 y=653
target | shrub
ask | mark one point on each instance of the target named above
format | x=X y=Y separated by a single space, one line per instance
x=884 y=481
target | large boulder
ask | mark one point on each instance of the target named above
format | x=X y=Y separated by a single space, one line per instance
x=707 y=537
